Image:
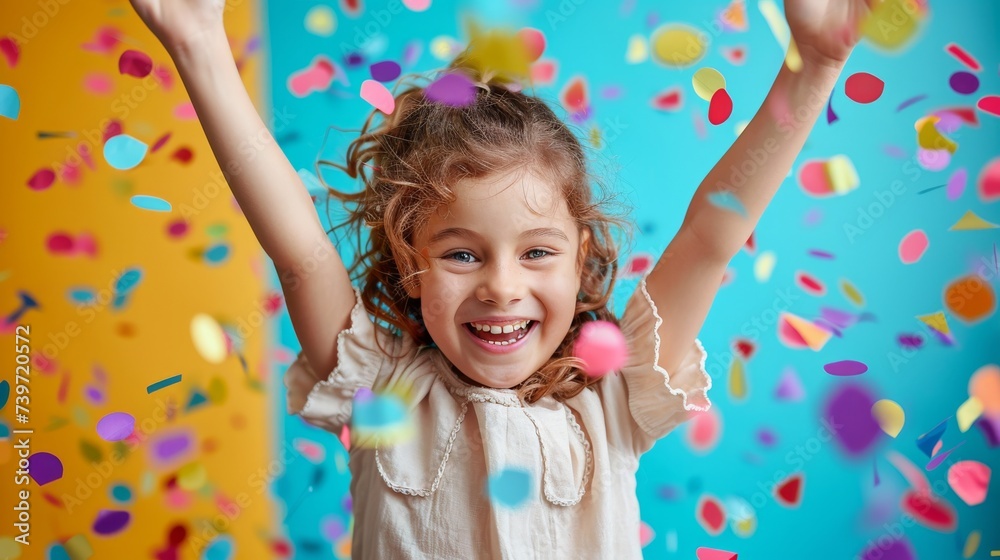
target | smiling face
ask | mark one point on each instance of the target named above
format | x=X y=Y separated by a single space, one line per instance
x=488 y=258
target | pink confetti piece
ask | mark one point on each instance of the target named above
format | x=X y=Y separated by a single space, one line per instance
x=970 y=480
x=453 y=89
x=378 y=96
x=42 y=179
x=135 y=63
x=913 y=246
x=933 y=160
x=705 y=553
x=956 y=184
x=863 y=87
x=989 y=181
x=316 y=77
x=105 y=41
x=10 y=51
x=963 y=56
x=602 y=347
x=671 y=99
x=543 y=72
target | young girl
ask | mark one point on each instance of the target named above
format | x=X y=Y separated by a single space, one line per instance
x=486 y=256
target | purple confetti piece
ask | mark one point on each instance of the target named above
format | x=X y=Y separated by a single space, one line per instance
x=170 y=447
x=109 y=522
x=412 y=52
x=820 y=254
x=353 y=60
x=94 y=395
x=766 y=437
x=831 y=117
x=116 y=426
x=940 y=457
x=933 y=160
x=848 y=411
x=842 y=319
x=385 y=71
x=964 y=82
x=669 y=493
x=789 y=387
x=910 y=341
x=895 y=549
x=990 y=426
x=956 y=184
x=611 y=92
x=845 y=367
x=454 y=89
x=911 y=101
x=894 y=151
x=44 y=467
x=253 y=43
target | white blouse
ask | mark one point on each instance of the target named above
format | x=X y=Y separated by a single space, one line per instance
x=427 y=497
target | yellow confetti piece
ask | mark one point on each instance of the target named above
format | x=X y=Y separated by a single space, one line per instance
x=930 y=138
x=320 y=20
x=497 y=52
x=78 y=548
x=677 y=45
x=737 y=380
x=968 y=412
x=889 y=415
x=208 y=337
x=764 y=265
x=779 y=27
x=841 y=174
x=706 y=81
x=936 y=321
x=217 y=390
x=815 y=337
x=971 y=544
x=892 y=23
x=192 y=476
x=638 y=49
x=9 y=548
x=971 y=221
x=852 y=293
x=443 y=47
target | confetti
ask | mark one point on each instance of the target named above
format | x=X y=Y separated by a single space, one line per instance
x=796 y=332
x=763 y=266
x=543 y=72
x=970 y=480
x=511 y=487
x=899 y=16
x=989 y=182
x=788 y=492
x=910 y=101
x=636 y=265
x=971 y=221
x=671 y=100
x=734 y=55
x=970 y=299
x=984 y=385
x=124 y=152
x=574 y=95
x=115 y=426
x=385 y=71
x=602 y=347
x=378 y=96
x=850 y=406
x=417 y=5
x=964 y=82
x=109 y=522
x=10 y=102
x=930 y=138
x=863 y=87
x=152 y=203
x=720 y=108
x=454 y=89
x=956 y=184
x=963 y=56
x=912 y=246
x=677 y=45
x=135 y=63
x=845 y=368
x=890 y=548
x=321 y=21
x=809 y=284
x=44 y=468
x=968 y=412
x=704 y=430
x=704 y=553
x=734 y=16
x=4 y=393
x=889 y=415
x=711 y=514
x=209 y=338
x=930 y=511
x=10 y=51
x=637 y=50
x=779 y=28
x=316 y=77
x=706 y=81
x=170 y=447
x=534 y=41
x=789 y=387
x=989 y=104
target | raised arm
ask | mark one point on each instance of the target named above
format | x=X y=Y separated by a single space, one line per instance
x=270 y=193
x=687 y=277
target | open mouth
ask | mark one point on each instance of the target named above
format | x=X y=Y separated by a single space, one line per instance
x=501 y=339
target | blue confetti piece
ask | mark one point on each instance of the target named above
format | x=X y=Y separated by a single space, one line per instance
x=4 y=393
x=128 y=280
x=124 y=152
x=511 y=487
x=727 y=201
x=220 y=549
x=377 y=412
x=121 y=493
x=10 y=102
x=163 y=383
x=82 y=296
x=58 y=552
x=154 y=203
x=217 y=254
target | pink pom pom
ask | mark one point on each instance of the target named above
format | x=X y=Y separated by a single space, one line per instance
x=602 y=346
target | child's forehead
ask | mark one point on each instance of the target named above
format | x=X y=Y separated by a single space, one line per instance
x=515 y=190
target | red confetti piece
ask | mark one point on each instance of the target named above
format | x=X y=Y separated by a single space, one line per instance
x=863 y=87
x=10 y=51
x=990 y=104
x=929 y=511
x=810 y=284
x=104 y=41
x=711 y=515
x=574 y=96
x=177 y=229
x=135 y=63
x=721 y=107
x=963 y=56
x=182 y=155
x=159 y=143
x=637 y=264
x=788 y=492
x=669 y=100
x=745 y=347
x=735 y=55
x=751 y=245
x=113 y=129
x=42 y=179
x=352 y=7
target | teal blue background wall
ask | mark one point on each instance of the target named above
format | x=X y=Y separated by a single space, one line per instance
x=656 y=160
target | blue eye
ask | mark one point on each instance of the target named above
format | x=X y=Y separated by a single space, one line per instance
x=543 y=251
x=459 y=253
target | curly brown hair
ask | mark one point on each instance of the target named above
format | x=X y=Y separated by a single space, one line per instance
x=407 y=163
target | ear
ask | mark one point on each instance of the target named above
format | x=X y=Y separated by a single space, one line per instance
x=413 y=287
x=583 y=249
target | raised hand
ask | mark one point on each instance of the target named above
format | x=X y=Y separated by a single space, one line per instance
x=826 y=31
x=181 y=23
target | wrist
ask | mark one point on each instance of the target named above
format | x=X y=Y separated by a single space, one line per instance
x=199 y=48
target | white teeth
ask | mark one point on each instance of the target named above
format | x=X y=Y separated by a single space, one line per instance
x=498 y=329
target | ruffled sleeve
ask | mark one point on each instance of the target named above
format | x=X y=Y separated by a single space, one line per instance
x=644 y=402
x=325 y=400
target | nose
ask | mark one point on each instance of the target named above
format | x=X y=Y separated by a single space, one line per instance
x=501 y=284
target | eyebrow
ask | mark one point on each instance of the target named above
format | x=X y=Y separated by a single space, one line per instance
x=529 y=234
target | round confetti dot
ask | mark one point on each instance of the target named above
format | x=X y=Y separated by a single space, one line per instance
x=511 y=487
x=321 y=20
x=209 y=338
x=121 y=493
x=124 y=152
x=454 y=89
x=809 y=284
x=720 y=108
x=845 y=368
x=706 y=81
x=863 y=87
x=970 y=480
x=42 y=179
x=933 y=160
x=677 y=45
x=711 y=514
x=913 y=246
x=177 y=228
x=849 y=406
x=970 y=298
x=989 y=104
x=534 y=40
x=602 y=347
x=889 y=549
x=764 y=265
x=115 y=426
x=217 y=254
x=989 y=182
x=900 y=16
x=704 y=430
x=135 y=63
x=964 y=82
x=192 y=476
x=417 y=5
x=153 y=203
x=385 y=71
x=984 y=385
x=889 y=415
x=109 y=522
